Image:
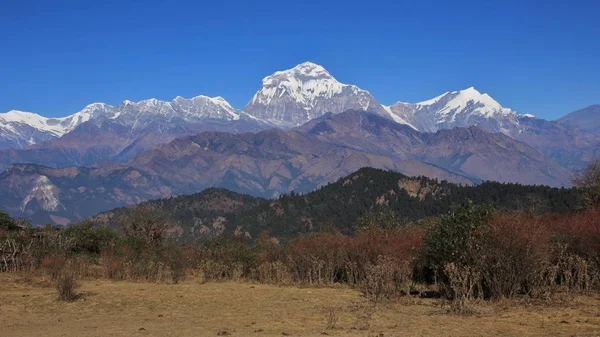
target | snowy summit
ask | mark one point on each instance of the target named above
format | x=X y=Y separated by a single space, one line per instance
x=294 y=96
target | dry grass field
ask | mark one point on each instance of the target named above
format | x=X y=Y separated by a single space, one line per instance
x=28 y=307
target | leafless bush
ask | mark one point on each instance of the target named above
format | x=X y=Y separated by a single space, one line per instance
x=15 y=254
x=364 y=315
x=66 y=285
x=215 y=271
x=588 y=182
x=515 y=252
x=462 y=282
x=331 y=315
x=274 y=273
x=53 y=266
x=385 y=279
x=113 y=267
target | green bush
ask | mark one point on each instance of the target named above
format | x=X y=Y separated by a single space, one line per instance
x=84 y=238
x=456 y=237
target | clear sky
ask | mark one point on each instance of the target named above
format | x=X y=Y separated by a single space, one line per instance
x=540 y=57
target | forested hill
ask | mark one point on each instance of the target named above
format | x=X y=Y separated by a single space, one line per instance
x=342 y=204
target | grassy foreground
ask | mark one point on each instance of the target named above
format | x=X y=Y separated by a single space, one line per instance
x=28 y=307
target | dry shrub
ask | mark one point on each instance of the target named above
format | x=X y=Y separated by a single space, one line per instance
x=580 y=231
x=331 y=316
x=177 y=262
x=66 y=285
x=399 y=243
x=215 y=271
x=152 y=270
x=113 y=266
x=274 y=273
x=16 y=251
x=515 y=253
x=327 y=258
x=319 y=259
x=570 y=272
x=143 y=262
x=462 y=283
x=53 y=265
x=364 y=315
x=268 y=249
x=543 y=255
x=385 y=279
x=83 y=266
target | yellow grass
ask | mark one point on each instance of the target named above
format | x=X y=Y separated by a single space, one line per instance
x=107 y=308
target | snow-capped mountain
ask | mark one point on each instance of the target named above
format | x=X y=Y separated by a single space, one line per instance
x=286 y=99
x=571 y=146
x=20 y=129
x=461 y=108
x=295 y=96
x=195 y=108
x=105 y=134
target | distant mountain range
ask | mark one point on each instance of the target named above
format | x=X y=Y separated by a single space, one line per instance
x=301 y=130
x=286 y=99
x=275 y=161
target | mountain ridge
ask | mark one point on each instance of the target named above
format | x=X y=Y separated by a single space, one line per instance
x=340 y=204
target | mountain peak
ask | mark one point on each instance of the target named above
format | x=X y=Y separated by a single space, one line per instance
x=11 y=119
x=301 y=73
x=470 y=90
x=97 y=105
x=15 y=114
x=462 y=99
x=294 y=96
x=473 y=94
x=310 y=69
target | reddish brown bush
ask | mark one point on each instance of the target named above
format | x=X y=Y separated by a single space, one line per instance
x=378 y=261
x=53 y=266
x=516 y=251
x=401 y=244
x=579 y=230
x=319 y=258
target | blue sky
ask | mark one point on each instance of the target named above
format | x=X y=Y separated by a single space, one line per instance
x=540 y=57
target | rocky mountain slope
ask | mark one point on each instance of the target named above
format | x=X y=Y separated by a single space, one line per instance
x=587 y=119
x=471 y=152
x=343 y=204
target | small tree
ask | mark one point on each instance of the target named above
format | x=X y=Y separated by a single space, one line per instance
x=86 y=238
x=146 y=224
x=7 y=222
x=455 y=237
x=588 y=181
x=454 y=247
